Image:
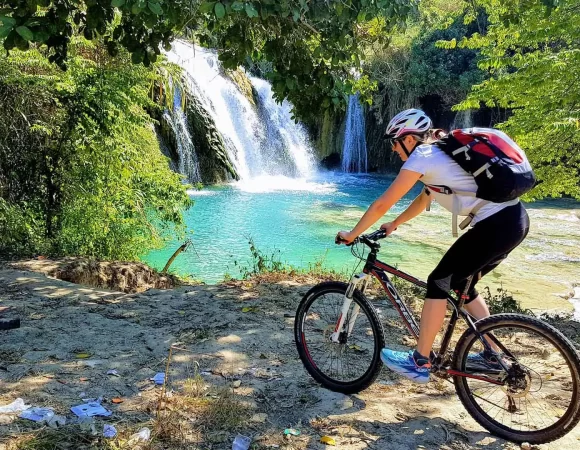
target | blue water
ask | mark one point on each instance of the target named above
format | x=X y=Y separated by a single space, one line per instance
x=296 y=220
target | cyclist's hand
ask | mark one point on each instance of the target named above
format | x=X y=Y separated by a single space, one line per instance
x=389 y=227
x=344 y=237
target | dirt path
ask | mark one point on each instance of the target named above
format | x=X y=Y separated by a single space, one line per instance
x=72 y=335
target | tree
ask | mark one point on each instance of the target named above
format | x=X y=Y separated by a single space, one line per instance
x=313 y=45
x=532 y=53
x=81 y=171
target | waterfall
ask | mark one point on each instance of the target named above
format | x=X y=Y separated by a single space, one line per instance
x=188 y=164
x=463 y=119
x=260 y=141
x=354 y=151
x=286 y=141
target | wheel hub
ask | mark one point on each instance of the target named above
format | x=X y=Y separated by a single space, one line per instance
x=518 y=383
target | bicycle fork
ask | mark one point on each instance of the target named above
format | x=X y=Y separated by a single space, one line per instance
x=357 y=280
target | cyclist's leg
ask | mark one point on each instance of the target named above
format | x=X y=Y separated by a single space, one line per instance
x=473 y=252
x=415 y=365
x=458 y=259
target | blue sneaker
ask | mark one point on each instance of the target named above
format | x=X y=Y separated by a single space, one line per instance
x=404 y=364
x=482 y=360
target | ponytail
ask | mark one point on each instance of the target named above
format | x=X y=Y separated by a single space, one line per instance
x=433 y=135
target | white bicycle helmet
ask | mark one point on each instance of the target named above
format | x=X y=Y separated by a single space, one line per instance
x=410 y=121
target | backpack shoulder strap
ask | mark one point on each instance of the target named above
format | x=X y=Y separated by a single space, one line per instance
x=455 y=210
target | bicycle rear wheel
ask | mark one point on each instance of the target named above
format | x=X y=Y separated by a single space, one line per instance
x=538 y=399
x=351 y=365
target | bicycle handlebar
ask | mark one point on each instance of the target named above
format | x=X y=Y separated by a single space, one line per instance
x=367 y=239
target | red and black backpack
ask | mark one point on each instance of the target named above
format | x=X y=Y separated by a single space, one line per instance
x=499 y=166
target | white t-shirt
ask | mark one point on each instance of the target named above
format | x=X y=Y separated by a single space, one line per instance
x=439 y=169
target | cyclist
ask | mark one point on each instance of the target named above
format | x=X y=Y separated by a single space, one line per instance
x=496 y=230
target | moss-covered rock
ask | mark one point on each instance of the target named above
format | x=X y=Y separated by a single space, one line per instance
x=243 y=83
x=328 y=135
x=214 y=163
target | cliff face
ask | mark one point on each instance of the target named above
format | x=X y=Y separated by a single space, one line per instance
x=214 y=163
x=328 y=132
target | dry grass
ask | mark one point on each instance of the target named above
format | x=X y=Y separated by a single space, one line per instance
x=199 y=413
x=67 y=437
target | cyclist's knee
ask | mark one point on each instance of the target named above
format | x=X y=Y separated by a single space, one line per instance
x=473 y=294
x=438 y=288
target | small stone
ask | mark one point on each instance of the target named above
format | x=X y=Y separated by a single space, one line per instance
x=259 y=417
x=346 y=403
x=237 y=383
x=526 y=446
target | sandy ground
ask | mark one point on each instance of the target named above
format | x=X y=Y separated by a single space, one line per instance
x=237 y=334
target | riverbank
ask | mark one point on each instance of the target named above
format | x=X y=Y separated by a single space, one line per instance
x=235 y=370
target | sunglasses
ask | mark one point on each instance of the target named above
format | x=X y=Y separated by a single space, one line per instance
x=391 y=142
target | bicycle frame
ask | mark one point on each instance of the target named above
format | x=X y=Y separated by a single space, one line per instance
x=380 y=271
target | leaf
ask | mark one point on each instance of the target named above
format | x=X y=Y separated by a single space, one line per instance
x=155 y=8
x=206 y=7
x=25 y=32
x=251 y=11
x=219 y=10
x=237 y=6
x=117 y=3
x=83 y=355
x=6 y=25
x=327 y=440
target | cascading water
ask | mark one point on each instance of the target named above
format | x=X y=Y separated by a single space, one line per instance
x=463 y=119
x=261 y=141
x=188 y=164
x=285 y=139
x=354 y=151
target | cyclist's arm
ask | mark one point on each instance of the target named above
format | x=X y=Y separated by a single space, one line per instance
x=402 y=184
x=417 y=207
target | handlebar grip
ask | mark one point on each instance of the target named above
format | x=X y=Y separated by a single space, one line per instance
x=9 y=324
x=338 y=240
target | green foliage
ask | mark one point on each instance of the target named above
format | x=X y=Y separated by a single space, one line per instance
x=81 y=172
x=313 y=45
x=503 y=302
x=413 y=66
x=532 y=53
x=260 y=263
x=140 y=26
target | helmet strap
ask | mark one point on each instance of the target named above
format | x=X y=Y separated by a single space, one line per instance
x=407 y=151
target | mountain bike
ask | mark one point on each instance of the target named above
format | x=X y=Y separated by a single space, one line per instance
x=528 y=393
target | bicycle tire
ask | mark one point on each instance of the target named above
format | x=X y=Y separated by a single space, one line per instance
x=375 y=364
x=555 y=431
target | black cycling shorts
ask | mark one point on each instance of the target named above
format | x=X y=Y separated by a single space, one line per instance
x=478 y=251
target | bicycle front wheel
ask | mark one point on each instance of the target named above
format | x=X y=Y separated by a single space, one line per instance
x=537 y=399
x=352 y=364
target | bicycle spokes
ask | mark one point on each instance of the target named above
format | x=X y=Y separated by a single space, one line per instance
x=535 y=389
x=342 y=352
